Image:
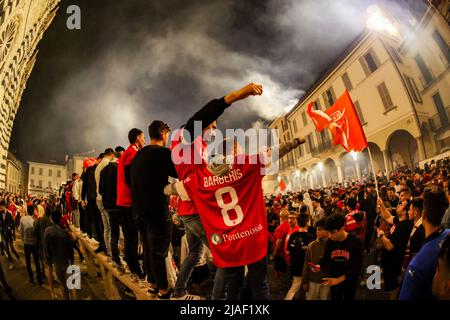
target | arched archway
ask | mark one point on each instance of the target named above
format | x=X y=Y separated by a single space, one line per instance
x=304 y=178
x=330 y=170
x=403 y=149
x=378 y=160
x=348 y=166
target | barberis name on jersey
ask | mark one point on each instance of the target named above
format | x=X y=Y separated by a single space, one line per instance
x=213 y=181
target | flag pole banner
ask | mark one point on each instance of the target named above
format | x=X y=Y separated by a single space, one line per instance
x=343 y=122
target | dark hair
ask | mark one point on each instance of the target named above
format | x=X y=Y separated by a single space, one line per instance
x=157 y=128
x=48 y=211
x=2 y=203
x=444 y=254
x=119 y=149
x=30 y=209
x=109 y=152
x=417 y=203
x=351 y=203
x=300 y=197
x=303 y=209
x=56 y=216
x=391 y=189
x=320 y=223
x=335 y=195
x=133 y=134
x=74 y=175
x=334 y=222
x=435 y=204
x=100 y=156
x=302 y=220
x=406 y=189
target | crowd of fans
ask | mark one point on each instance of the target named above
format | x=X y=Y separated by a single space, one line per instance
x=321 y=240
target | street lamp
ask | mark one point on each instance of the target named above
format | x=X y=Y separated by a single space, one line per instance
x=376 y=20
x=279 y=178
x=320 y=166
x=297 y=173
x=354 y=155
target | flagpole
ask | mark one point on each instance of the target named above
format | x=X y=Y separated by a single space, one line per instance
x=373 y=169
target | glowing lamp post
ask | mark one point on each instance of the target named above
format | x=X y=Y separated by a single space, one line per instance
x=377 y=21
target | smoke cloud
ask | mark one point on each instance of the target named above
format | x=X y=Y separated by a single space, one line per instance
x=136 y=61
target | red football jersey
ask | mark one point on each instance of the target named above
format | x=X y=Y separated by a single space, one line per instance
x=196 y=154
x=232 y=210
x=124 y=198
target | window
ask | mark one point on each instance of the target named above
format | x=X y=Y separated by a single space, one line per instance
x=347 y=83
x=40 y=184
x=317 y=104
x=41 y=171
x=359 y=111
x=49 y=184
x=369 y=62
x=32 y=170
x=442 y=45
x=305 y=120
x=32 y=182
x=329 y=97
x=49 y=172
x=310 y=144
x=413 y=89
x=58 y=174
x=440 y=109
x=385 y=97
x=294 y=124
x=394 y=53
x=426 y=74
x=300 y=150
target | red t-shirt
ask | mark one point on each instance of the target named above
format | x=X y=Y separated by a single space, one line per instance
x=287 y=257
x=281 y=233
x=232 y=211
x=186 y=157
x=124 y=198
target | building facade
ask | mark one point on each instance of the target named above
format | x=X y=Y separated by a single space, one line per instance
x=400 y=86
x=45 y=178
x=22 y=25
x=15 y=175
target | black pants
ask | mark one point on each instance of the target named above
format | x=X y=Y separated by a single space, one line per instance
x=84 y=227
x=7 y=245
x=344 y=291
x=123 y=217
x=156 y=240
x=96 y=222
x=4 y=283
x=32 y=250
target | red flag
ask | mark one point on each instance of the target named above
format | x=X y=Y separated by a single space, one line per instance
x=343 y=122
x=282 y=185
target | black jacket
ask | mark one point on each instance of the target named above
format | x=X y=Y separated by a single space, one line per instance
x=6 y=224
x=89 y=189
x=108 y=186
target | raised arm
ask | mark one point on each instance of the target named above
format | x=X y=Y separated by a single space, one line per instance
x=215 y=108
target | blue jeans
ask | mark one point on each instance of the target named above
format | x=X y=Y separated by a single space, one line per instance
x=257 y=280
x=196 y=237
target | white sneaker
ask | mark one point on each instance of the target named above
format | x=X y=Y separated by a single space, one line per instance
x=186 y=297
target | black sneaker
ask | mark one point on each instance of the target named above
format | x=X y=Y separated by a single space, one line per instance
x=165 y=296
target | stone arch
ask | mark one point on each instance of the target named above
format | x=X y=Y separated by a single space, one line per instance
x=403 y=149
x=348 y=166
x=331 y=171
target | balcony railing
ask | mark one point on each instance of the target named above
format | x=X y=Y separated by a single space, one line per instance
x=438 y=121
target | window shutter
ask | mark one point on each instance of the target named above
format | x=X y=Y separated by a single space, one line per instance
x=364 y=65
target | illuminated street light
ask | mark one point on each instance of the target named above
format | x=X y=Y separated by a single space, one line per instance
x=354 y=155
x=320 y=165
x=297 y=173
x=279 y=178
x=377 y=21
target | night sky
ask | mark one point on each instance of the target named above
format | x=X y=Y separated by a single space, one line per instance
x=135 y=61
